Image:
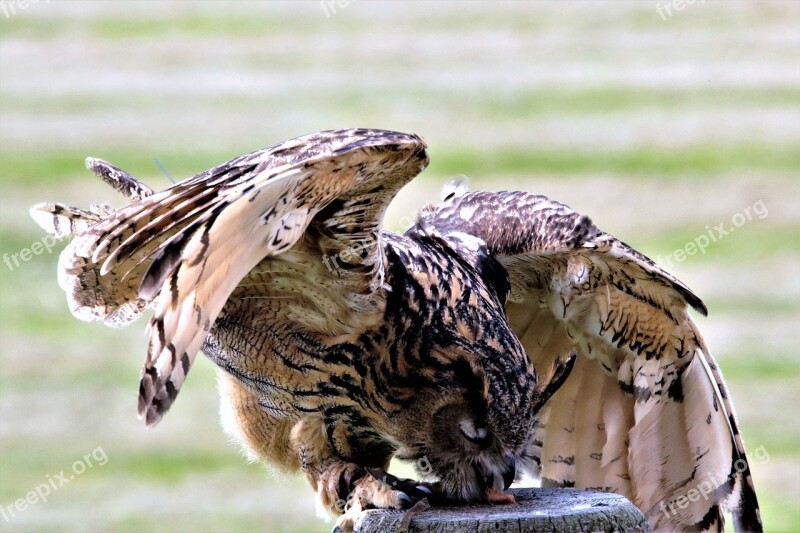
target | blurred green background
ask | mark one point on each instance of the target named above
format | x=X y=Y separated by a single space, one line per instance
x=659 y=128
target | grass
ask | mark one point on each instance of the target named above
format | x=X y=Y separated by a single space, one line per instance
x=57 y=167
x=643 y=162
x=753 y=239
x=506 y=105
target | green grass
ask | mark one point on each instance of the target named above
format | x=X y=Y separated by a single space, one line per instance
x=765 y=367
x=170 y=465
x=753 y=240
x=643 y=162
x=506 y=105
x=54 y=167
x=767 y=305
x=186 y=25
x=617 y=99
x=779 y=515
x=63 y=167
x=191 y=24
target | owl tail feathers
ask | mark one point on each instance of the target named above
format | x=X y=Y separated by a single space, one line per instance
x=91 y=297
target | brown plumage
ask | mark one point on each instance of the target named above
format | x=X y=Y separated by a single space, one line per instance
x=503 y=333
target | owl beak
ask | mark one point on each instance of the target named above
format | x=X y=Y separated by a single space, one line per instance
x=492 y=477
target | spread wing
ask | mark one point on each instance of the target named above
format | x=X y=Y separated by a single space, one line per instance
x=645 y=412
x=185 y=250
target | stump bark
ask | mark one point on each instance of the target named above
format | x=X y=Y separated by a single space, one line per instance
x=555 y=510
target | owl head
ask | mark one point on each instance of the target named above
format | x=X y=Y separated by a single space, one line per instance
x=472 y=436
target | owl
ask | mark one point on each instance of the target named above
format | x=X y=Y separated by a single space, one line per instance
x=503 y=334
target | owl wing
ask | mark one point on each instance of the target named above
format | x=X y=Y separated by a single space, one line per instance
x=645 y=411
x=186 y=249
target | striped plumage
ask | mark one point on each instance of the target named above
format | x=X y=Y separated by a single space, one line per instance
x=502 y=333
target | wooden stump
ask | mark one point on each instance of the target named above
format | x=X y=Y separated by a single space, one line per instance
x=556 y=510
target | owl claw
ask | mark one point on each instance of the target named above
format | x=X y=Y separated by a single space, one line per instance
x=386 y=491
x=408 y=487
x=406 y=499
x=379 y=474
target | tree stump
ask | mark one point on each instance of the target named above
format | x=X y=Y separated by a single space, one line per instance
x=556 y=510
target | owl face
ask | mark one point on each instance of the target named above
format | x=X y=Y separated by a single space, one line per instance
x=462 y=448
x=468 y=454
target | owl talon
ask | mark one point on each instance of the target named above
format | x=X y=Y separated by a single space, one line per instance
x=385 y=478
x=406 y=499
x=411 y=489
x=385 y=491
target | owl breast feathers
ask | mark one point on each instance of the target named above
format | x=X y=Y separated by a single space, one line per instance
x=503 y=334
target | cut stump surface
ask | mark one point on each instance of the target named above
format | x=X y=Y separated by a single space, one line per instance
x=555 y=510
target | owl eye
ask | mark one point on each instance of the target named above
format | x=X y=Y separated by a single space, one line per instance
x=478 y=435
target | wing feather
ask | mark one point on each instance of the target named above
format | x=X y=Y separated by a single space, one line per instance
x=186 y=250
x=645 y=411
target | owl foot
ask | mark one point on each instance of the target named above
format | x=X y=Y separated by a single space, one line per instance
x=384 y=491
x=395 y=490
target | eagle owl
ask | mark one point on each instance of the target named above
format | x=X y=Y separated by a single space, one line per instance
x=502 y=334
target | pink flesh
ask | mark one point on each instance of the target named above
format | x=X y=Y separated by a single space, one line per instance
x=499 y=497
